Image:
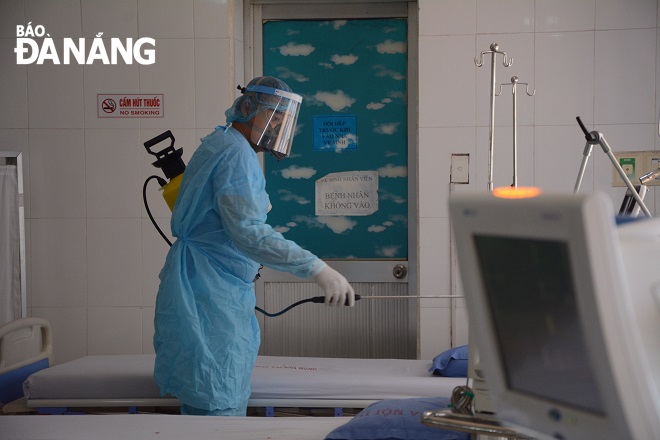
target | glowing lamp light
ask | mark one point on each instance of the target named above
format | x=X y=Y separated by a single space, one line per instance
x=521 y=192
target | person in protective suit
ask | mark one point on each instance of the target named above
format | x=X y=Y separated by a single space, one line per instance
x=206 y=333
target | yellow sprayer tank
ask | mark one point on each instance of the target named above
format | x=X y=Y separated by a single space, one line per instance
x=171 y=190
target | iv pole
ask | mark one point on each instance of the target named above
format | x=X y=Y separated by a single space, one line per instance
x=463 y=419
x=513 y=83
x=507 y=61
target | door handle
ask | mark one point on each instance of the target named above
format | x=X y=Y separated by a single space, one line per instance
x=400 y=271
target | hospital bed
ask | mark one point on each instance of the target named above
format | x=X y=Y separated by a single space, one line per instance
x=277 y=382
x=393 y=392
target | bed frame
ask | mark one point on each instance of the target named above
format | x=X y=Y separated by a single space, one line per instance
x=168 y=427
x=25 y=347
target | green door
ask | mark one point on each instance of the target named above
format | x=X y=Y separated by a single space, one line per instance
x=343 y=193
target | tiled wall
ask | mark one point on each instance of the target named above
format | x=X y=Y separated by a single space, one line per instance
x=93 y=255
x=590 y=58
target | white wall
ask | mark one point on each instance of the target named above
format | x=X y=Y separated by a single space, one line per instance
x=590 y=58
x=93 y=254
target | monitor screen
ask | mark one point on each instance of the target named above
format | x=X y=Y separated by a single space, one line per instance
x=534 y=311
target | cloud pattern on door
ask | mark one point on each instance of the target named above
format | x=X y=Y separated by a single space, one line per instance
x=352 y=76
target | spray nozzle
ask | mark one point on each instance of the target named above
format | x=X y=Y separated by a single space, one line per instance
x=169 y=159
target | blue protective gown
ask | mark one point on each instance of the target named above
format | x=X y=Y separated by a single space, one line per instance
x=206 y=333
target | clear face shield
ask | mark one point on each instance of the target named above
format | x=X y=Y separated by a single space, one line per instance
x=274 y=124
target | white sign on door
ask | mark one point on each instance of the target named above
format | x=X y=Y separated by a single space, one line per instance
x=347 y=193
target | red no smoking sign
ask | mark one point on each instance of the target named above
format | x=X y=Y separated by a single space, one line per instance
x=130 y=106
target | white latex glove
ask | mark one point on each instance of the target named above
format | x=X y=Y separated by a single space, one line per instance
x=337 y=290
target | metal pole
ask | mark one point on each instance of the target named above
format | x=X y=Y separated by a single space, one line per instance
x=491 y=138
x=514 y=89
x=494 y=50
x=514 y=82
x=585 y=158
x=606 y=148
x=407 y=296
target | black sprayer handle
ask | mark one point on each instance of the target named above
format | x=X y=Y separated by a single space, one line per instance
x=321 y=299
x=160 y=138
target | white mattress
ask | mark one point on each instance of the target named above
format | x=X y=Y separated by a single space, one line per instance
x=167 y=427
x=130 y=377
x=344 y=378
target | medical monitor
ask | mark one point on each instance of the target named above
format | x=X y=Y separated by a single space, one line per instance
x=570 y=348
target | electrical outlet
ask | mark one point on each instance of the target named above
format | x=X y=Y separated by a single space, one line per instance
x=460 y=168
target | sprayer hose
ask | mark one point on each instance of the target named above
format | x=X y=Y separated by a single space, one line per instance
x=162 y=182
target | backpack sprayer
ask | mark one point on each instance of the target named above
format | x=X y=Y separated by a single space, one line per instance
x=170 y=161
